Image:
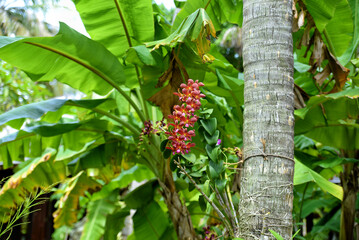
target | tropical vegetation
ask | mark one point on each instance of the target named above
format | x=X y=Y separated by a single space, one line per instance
x=133 y=151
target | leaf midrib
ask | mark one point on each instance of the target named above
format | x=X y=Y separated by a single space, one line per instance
x=68 y=56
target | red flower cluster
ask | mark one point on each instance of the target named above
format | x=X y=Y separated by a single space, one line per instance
x=183 y=117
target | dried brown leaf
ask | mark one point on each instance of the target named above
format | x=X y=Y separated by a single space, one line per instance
x=166 y=75
x=298 y=19
x=203 y=41
x=301 y=19
x=300 y=97
x=320 y=77
x=340 y=72
x=305 y=41
x=165 y=98
x=318 y=53
x=294 y=9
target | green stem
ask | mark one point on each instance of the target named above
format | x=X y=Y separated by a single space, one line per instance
x=301 y=204
x=229 y=196
x=132 y=103
x=95 y=71
x=123 y=23
x=209 y=1
x=214 y=206
x=119 y=120
x=128 y=37
x=208 y=215
x=151 y=161
x=142 y=101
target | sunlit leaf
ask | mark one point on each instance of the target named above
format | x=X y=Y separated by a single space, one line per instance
x=118 y=25
x=36 y=110
x=41 y=172
x=96 y=218
x=150 y=222
x=66 y=213
x=137 y=173
x=303 y=174
x=330 y=119
x=66 y=56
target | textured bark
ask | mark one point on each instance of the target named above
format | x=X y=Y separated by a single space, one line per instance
x=178 y=211
x=267 y=178
x=350 y=187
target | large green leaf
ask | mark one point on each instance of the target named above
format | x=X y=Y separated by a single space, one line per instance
x=118 y=25
x=142 y=195
x=303 y=174
x=192 y=28
x=97 y=212
x=66 y=214
x=331 y=119
x=321 y=11
x=344 y=59
x=40 y=172
x=340 y=30
x=107 y=21
x=98 y=157
x=311 y=205
x=220 y=11
x=137 y=173
x=341 y=105
x=150 y=222
x=69 y=57
x=114 y=224
x=36 y=110
x=31 y=141
x=334 y=19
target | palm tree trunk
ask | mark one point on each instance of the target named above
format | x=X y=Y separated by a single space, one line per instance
x=267 y=178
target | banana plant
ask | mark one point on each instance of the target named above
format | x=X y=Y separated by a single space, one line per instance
x=128 y=69
x=118 y=72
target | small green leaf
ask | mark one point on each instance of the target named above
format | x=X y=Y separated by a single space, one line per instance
x=207 y=111
x=303 y=174
x=355 y=62
x=212 y=140
x=221 y=184
x=173 y=166
x=202 y=203
x=276 y=235
x=141 y=195
x=210 y=125
x=140 y=55
x=181 y=184
x=221 y=82
x=191 y=187
x=213 y=152
x=163 y=145
x=201 y=132
x=295 y=234
x=167 y=153
x=215 y=169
